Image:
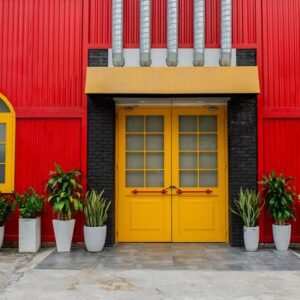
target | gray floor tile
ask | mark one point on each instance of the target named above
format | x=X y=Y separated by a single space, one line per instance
x=167 y=256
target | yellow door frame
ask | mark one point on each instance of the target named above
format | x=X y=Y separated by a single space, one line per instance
x=117 y=157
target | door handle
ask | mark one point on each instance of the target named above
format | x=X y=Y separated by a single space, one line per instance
x=178 y=190
x=207 y=191
x=163 y=191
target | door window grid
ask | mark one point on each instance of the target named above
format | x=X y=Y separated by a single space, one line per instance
x=144 y=151
x=2 y=151
x=197 y=139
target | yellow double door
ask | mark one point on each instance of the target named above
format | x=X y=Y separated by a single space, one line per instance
x=171 y=174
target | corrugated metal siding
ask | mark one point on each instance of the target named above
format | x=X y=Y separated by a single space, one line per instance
x=131 y=23
x=186 y=29
x=281 y=59
x=244 y=23
x=212 y=23
x=41 y=52
x=281 y=153
x=159 y=24
x=41 y=143
x=99 y=31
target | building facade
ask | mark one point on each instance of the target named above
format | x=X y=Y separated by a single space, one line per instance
x=170 y=106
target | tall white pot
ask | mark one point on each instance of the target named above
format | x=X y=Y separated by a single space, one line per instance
x=281 y=236
x=29 y=234
x=63 y=231
x=251 y=238
x=94 y=238
x=2 y=229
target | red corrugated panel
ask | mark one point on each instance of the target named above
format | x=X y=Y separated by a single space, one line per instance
x=41 y=52
x=244 y=23
x=213 y=23
x=40 y=143
x=281 y=153
x=159 y=23
x=100 y=22
x=131 y=23
x=186 y=23
x=281 y=59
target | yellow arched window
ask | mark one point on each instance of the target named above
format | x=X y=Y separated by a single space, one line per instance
x=7 y=145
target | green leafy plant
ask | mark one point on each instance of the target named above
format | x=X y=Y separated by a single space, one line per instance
x=248 y=207
x=64 y=192
x=7 y=206
x=279 y=195
x=96 y=208
x=30 y=204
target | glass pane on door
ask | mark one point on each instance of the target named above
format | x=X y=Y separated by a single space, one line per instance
x=198 y=154
x=145 y=151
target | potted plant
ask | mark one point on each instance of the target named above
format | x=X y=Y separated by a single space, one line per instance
x=64 y=195
x=6 y=209
x=279 y=195
x=95 y=211
x=30 y=206
x=248 y=207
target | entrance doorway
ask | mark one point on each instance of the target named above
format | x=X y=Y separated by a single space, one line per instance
x=171 y=174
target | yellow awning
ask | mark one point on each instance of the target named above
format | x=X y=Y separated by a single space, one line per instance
x=172 y=80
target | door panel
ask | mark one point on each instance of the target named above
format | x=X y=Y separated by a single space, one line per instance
x=198 y=172
x=171 y=175
x=144 y=212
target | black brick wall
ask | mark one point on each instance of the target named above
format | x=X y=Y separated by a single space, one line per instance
x=97 y=57
x=101 y=153
x=101 y=143
x=242 y=150
x=246 y=57
x=242 y=146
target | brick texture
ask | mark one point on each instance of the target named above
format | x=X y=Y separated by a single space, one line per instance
x=101 y=143
x=97 y=57
x=246 y=57
x=242 y=146
x=101 y=153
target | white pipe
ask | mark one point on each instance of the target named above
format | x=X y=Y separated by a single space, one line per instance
x=172 y=33
x=145 y=33
x=199 y=32
x=226 y=36
x=117 y=33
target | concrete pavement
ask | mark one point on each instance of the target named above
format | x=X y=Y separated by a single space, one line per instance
x=129 y=271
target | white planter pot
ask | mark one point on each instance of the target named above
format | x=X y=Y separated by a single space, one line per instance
x=282 y=236
x=94 y=238
x=29 y=235
x=251 y=238
x=63 y=231
x=2 y=229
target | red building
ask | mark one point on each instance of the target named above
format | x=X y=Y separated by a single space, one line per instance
x=71 y=106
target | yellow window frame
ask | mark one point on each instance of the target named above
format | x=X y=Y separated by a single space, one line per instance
x=9 y=118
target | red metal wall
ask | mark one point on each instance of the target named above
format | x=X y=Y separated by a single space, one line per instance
x=281 y=153
x=279 y=121
x=41 y=142
x=244 y=21
x=43 y=57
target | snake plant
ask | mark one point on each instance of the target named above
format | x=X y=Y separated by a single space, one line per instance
x=96 y=208
x=247 y=206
